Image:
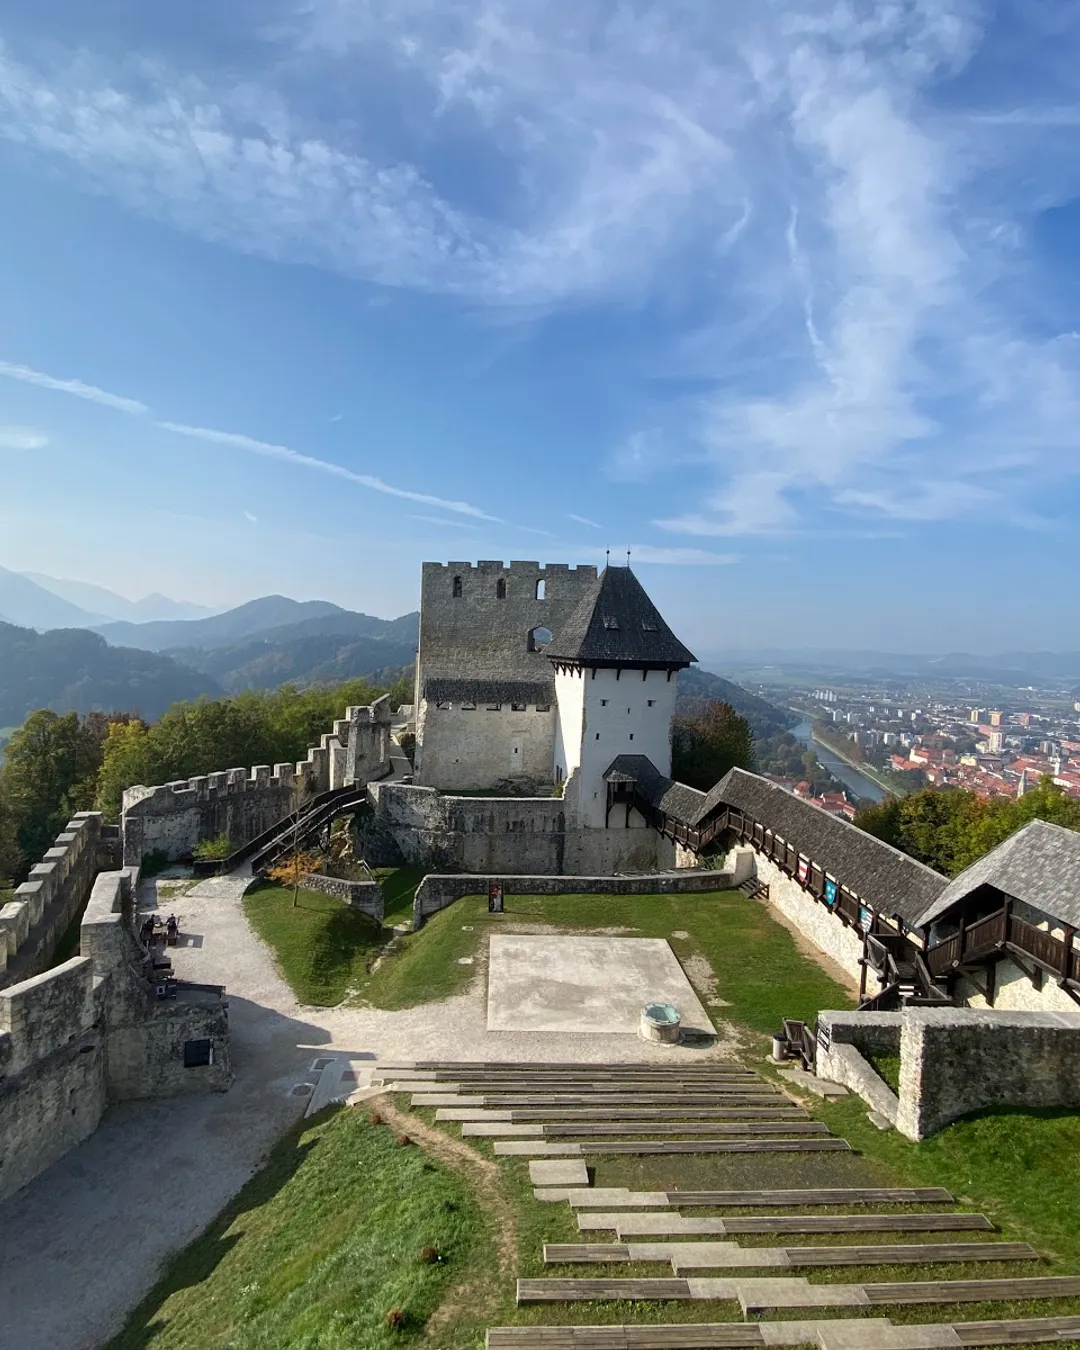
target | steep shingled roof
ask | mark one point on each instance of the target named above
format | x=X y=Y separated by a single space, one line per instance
x=1039 y=865
x=675 y=799
x=438 y=690
x=616 y=623
x=879 y=874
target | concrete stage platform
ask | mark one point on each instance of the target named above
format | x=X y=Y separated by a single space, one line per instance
x=585 y=984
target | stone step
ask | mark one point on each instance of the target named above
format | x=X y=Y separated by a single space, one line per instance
x=657 y=1223
x=876 y=1333
x=615 y=1197
x=730 y=1255
x=757 y=1128
x=767 y=1111
x=527 y=1148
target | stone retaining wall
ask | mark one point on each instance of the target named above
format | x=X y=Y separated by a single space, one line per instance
x=366 y=896
x=957 y=1060
x=843 y=1042
x=436 y=892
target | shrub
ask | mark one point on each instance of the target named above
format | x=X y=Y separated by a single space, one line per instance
x=217 y=848
x=154 y=862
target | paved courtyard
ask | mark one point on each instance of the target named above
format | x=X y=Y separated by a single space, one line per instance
x=85 y=1241
x=584 y=984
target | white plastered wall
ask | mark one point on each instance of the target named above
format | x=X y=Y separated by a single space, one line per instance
x=627 y=712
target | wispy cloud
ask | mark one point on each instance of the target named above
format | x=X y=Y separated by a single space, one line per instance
x=681 y=557
x=252 y=518
x=22 y=438
x=77 y=387
x=237 y=441
x=849 y=247
x=441 y=520
x=584 y=520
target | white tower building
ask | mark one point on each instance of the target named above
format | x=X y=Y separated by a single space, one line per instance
x=616 y=666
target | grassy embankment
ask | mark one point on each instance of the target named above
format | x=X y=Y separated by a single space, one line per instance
x=322 y=947
x=294 y=1276
x=319 y=1247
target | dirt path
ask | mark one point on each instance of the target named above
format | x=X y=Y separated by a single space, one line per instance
x=485 y=1178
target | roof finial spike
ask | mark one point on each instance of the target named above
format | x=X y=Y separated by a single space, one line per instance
x=607 y=557
x=628 y=557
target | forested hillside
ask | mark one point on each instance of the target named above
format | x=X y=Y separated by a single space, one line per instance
x=56 y=765
x=71 y=669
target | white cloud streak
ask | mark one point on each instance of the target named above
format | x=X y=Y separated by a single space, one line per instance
x=22 y=438
x=76 y=387
x=790 y=169
x=237 y=441
x=584 y=520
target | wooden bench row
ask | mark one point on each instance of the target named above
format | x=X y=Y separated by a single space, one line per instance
x=875 y=1333
x=731 y=1256
x=527 y=1148
x=618 y=1197
x=495 y=1129
x=657 y=1223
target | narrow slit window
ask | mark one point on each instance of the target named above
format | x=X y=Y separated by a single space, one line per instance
x=457 y=588
x=541 y=589
x=500 y=589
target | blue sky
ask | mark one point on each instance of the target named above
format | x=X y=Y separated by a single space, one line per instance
x=296 y=293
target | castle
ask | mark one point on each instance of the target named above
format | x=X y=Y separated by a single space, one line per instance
x=531 y=677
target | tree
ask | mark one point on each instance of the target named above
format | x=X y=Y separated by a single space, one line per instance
x=10 y=853
x=50 y=768
x=950 y=828
x=706 y=744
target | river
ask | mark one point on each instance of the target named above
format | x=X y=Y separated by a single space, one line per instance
x=852 y=779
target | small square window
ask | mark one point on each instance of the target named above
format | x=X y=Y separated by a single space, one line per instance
x=631 y=735
x=543 y=707
x=518 y=707
x=494 y=707
x=441 y=703
x=650 y=626
x=652 y=703
x=597 y=735
x=468 y=707
x=610 y=621
x=603 y=703
x=198 y=1053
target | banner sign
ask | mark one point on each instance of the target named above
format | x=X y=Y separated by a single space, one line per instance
x=495 y=898
x=866 y=918
x=831 y=892
x=803 y=871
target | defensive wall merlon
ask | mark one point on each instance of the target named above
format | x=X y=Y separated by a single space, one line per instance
x=513 y=569
x=241 y=803
x=46 y=904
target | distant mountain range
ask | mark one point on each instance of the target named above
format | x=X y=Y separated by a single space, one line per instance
x=33 y=600
x=219 y=630
x=72 y=670
x=1011 y=667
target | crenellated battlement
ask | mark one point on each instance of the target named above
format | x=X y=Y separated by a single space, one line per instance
x=173 y=818
x=515 y=568
x=46 y=903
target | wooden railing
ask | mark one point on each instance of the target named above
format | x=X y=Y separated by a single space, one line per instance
x=1004 y=931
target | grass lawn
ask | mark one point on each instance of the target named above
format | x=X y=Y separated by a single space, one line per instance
x=398 y=887
x=318 y=1247
x=759 y=970
x=321 y=945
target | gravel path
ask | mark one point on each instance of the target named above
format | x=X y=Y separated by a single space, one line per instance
x=85 y=1241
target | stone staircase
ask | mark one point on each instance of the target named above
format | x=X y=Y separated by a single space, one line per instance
x=560 y=1114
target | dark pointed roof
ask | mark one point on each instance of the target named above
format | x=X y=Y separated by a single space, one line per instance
x=617 y=624
x=1039 y=864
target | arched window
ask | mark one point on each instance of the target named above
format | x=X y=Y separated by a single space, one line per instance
x=541 y=587
x=538 y=639
x=500 y=589
x=457 y=587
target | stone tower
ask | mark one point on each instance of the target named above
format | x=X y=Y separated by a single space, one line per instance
x=616 y=665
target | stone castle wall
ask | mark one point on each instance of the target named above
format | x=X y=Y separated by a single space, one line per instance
x=437 y=892
x=469 y=749
x=487 y=835
x=481 y=634
x=90 y=1032
x=48 y=902
x=241 y=803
